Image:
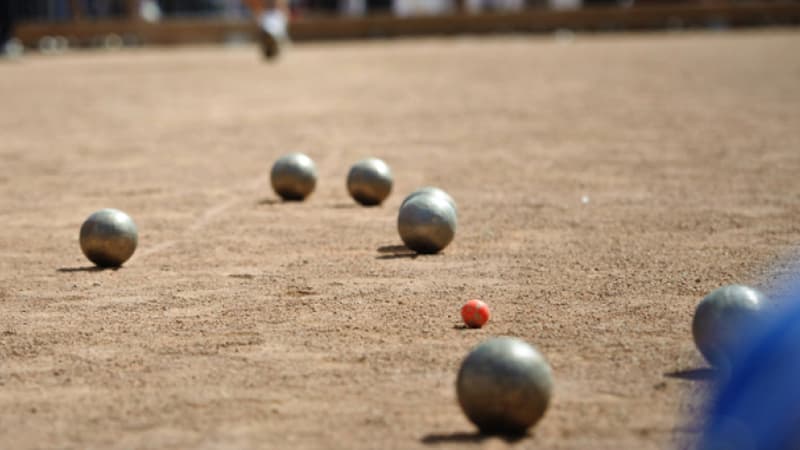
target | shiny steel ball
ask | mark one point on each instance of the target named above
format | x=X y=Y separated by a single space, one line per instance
x=722 y=318
x=369 y=181
x=504 y=386
x=433 y=191
x=427 y=223
x=108 y=237
x=294 y=176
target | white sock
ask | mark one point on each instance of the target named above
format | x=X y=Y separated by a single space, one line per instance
x=274 y=22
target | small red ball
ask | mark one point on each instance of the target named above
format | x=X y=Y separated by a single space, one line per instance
x=475 y=313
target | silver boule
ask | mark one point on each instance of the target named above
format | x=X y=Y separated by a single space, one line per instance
x=434 y=191
x=294 y=176
x=427 y=223
x=504 y=386
x=721 y=318
x=369 y=181
x=108 y=237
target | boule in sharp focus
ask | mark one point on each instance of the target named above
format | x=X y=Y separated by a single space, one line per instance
x=721 y=320
x=427 y=223
x=369 y=181
x=433 y=191
x=108 y=237
x=294 y=176
x=504 y=386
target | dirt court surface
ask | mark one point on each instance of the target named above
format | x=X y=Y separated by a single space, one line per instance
x=243 y=322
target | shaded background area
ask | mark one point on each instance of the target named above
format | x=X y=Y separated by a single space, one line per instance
x=54 y=25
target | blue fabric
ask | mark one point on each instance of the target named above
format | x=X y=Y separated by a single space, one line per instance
x=757 y=404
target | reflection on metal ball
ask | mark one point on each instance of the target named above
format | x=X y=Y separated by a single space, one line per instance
x=427 y=223
x=294 y=176
x=504 y=386
x=432 y=191
x=369 y=181
x=108 y=237
x=722 y=318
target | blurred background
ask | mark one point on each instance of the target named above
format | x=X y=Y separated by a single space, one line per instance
x=54 y=25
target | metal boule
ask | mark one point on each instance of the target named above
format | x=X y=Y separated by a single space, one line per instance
x=504 y=386
x=722 y=319
x=369 y=181
x=294 y=176
x=427 y=223
x=108 y=237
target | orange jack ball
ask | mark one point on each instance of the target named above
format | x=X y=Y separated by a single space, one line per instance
x=475 y=313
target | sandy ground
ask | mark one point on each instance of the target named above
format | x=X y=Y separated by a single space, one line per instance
x=242 y=322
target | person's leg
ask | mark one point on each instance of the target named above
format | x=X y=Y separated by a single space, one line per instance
x=272 y=17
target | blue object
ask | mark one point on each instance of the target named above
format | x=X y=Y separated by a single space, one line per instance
x=756 y=405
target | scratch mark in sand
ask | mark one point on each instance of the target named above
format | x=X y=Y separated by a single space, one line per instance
x=205 y=217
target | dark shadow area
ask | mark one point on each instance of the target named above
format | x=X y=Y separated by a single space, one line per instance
x=242 y=276
x=85 y=269
x=702 y=374
x=393 y=249
x=395 y=252
x=398 y=256
x=453 y=438
x=467 y=438
x=345 y=206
